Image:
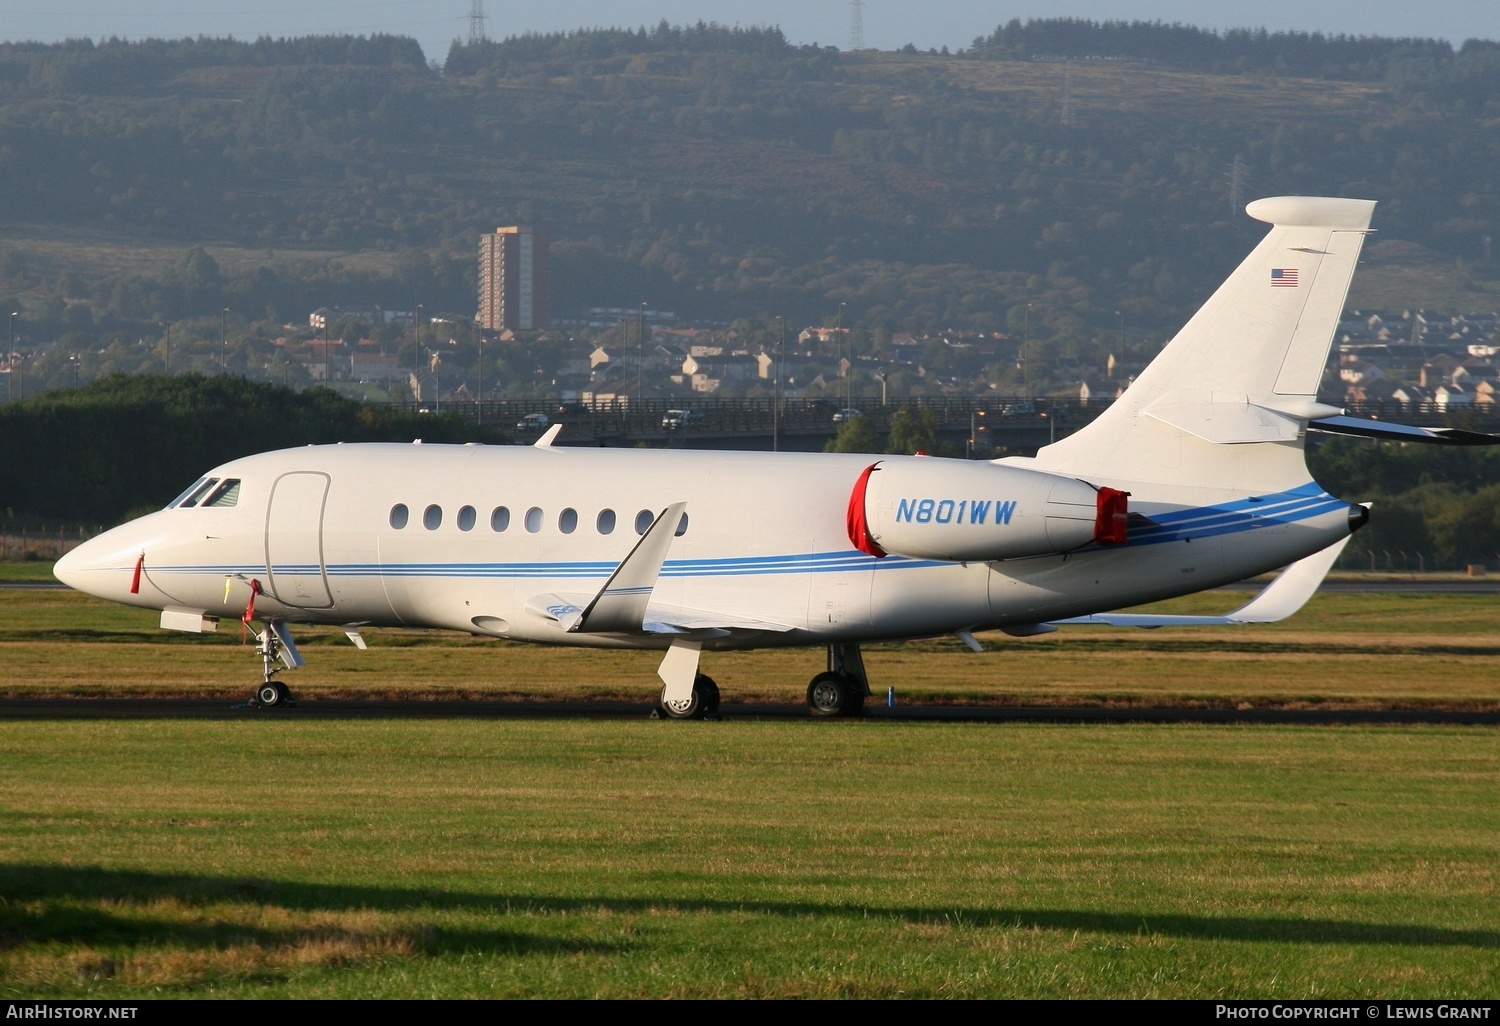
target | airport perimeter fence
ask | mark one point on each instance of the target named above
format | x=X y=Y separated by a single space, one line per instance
x=43 y=543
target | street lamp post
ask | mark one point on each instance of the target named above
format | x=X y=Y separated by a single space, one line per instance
x=224 y=341
x=776 y=386
x=640 y=353
x=481 y=379
x=327 y=380
x=167 y=364
x=417 y=351
x=1026 y=351
x=849 y=370
x=74 y=361
x=10 y=355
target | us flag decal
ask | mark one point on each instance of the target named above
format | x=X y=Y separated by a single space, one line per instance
x=1283 y=277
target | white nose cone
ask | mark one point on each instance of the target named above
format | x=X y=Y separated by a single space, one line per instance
x=104 y=566
x=67 y=569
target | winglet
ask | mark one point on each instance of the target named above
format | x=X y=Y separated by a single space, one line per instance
x=621 y=603
x=548 y=437
x=1281 y=598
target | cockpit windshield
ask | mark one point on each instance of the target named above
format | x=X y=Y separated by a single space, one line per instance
x=209 y=491
x=194 y=492
x=227 y=494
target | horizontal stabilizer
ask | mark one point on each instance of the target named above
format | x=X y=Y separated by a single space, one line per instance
x=1401 y=432
x=1281 y=598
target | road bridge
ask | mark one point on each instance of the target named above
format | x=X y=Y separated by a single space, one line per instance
x=978 y=426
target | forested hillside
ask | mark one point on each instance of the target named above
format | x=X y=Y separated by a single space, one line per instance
x=726 y=173
x=124 y=445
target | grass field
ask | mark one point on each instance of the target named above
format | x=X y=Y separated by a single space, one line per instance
x=566 y=858
x=1343 y=650
x=272 y=855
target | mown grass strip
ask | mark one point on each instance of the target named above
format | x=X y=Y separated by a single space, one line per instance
x=462 y=858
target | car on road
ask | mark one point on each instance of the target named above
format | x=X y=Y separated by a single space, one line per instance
x=532 y=422
x=848 y=413
x=677 y=420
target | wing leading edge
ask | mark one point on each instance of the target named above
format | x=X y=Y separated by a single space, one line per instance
x=1281 y=598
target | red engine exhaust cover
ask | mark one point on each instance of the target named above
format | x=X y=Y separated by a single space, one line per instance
x=1110 y=519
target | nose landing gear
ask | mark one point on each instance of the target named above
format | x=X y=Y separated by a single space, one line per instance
x=275 y=646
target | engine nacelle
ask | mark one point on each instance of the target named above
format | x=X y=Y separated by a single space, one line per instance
x=964 y=511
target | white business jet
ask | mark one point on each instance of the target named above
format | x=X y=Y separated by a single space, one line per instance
x=1194 y=478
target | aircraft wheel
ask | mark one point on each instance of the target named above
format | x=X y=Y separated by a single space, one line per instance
x=832 y=694
x=690 y=708
x=270 y=694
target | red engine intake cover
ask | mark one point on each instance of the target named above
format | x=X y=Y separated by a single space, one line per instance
x=855 y=522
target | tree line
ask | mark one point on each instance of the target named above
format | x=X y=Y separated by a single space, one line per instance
x=124 y=445
x=720 y=172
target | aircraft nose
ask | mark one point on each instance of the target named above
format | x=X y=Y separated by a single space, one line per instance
x=96 y=567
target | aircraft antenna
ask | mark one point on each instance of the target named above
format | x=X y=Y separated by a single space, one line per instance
x=476 y=22
x=856 y=25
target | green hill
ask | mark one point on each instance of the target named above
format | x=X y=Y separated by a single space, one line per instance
x=1084 y=169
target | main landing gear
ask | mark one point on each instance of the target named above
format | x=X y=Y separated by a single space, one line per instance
x=702 y=704
x=842 y=688
x=276 y=649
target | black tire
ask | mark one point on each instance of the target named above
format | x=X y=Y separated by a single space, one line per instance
x=831 y=694
x=270 y=694
x=704 y=685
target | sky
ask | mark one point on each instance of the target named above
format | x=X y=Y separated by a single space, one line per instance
x=887 y=24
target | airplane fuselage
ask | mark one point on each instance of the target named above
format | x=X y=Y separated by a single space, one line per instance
x=485 y=539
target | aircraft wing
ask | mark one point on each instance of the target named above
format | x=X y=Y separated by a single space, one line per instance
x=623 y=605
x=1281 y=598
x=568 y=610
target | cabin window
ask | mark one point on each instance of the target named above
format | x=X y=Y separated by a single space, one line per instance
x=681 y=527
x=432 y=517
x=197 y=493
x=606 y=522
x=643 y=521
x=466 y=518
x=567 y=521
x=500 y=519
x=534 y=520
x=227 y=494
x=399 y=515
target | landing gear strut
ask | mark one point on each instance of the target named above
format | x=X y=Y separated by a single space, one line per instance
x=701 y=704
x=842 y=688
x=276 y=649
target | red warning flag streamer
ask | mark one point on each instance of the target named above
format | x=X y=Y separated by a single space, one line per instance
x=1111 y=517
x=249 y=609
x=855 y=522
x=135 y=579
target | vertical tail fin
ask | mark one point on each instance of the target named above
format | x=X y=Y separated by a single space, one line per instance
x=1244 y=370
